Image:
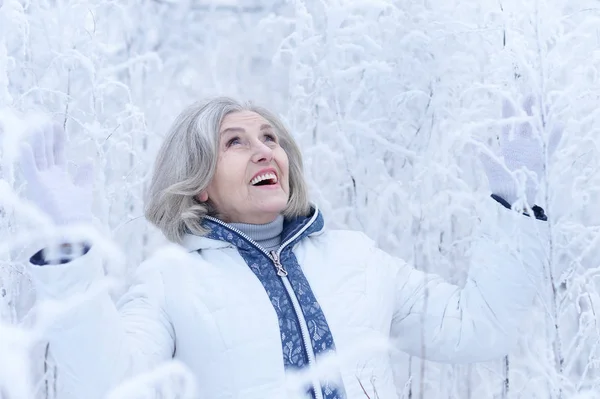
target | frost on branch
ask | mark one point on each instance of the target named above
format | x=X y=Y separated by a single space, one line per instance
x=384 y=98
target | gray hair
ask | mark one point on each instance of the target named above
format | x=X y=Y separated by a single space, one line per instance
x=187 y=161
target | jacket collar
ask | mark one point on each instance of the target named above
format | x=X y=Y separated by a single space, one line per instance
x=294 y=230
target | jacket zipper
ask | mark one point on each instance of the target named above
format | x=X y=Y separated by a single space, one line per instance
x=301 y=320
x=282 y=273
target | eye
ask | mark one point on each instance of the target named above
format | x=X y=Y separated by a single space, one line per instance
x=232 y=141
x=270 y=137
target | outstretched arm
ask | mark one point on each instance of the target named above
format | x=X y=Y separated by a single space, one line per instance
x=96 y=344
x=479 y=322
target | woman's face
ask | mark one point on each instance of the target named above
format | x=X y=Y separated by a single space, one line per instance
x=251 y=183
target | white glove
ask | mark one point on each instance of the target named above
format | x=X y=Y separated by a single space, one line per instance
x=521 y=149
x=65 y=200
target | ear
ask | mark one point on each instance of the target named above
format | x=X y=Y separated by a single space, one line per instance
x=202 y=197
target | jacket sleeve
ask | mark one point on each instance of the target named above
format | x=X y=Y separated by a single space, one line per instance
x=96 y=344
x=442 y=322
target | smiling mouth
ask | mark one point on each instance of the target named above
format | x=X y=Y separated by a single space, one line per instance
x=268 y=179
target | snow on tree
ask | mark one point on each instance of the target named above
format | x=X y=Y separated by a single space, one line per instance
x=388 y=100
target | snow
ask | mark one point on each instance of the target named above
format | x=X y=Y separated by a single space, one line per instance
x=384 y=97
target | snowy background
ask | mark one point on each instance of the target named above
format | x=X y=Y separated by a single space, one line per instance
x=385 y=98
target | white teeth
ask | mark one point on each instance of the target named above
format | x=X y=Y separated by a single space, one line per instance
x=266 y=176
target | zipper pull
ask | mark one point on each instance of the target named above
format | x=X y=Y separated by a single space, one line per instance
x=281 y=272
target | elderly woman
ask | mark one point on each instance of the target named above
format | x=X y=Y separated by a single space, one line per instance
x=265 y=288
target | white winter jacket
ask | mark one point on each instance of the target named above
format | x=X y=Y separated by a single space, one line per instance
x=208 y=310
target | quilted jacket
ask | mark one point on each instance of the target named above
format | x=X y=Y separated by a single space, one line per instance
x=246 y=322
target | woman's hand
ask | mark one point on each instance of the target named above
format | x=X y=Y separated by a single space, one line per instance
x=64 y=199
x=521 y=149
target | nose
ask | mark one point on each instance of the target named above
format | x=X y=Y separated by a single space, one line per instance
x=262 y=152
